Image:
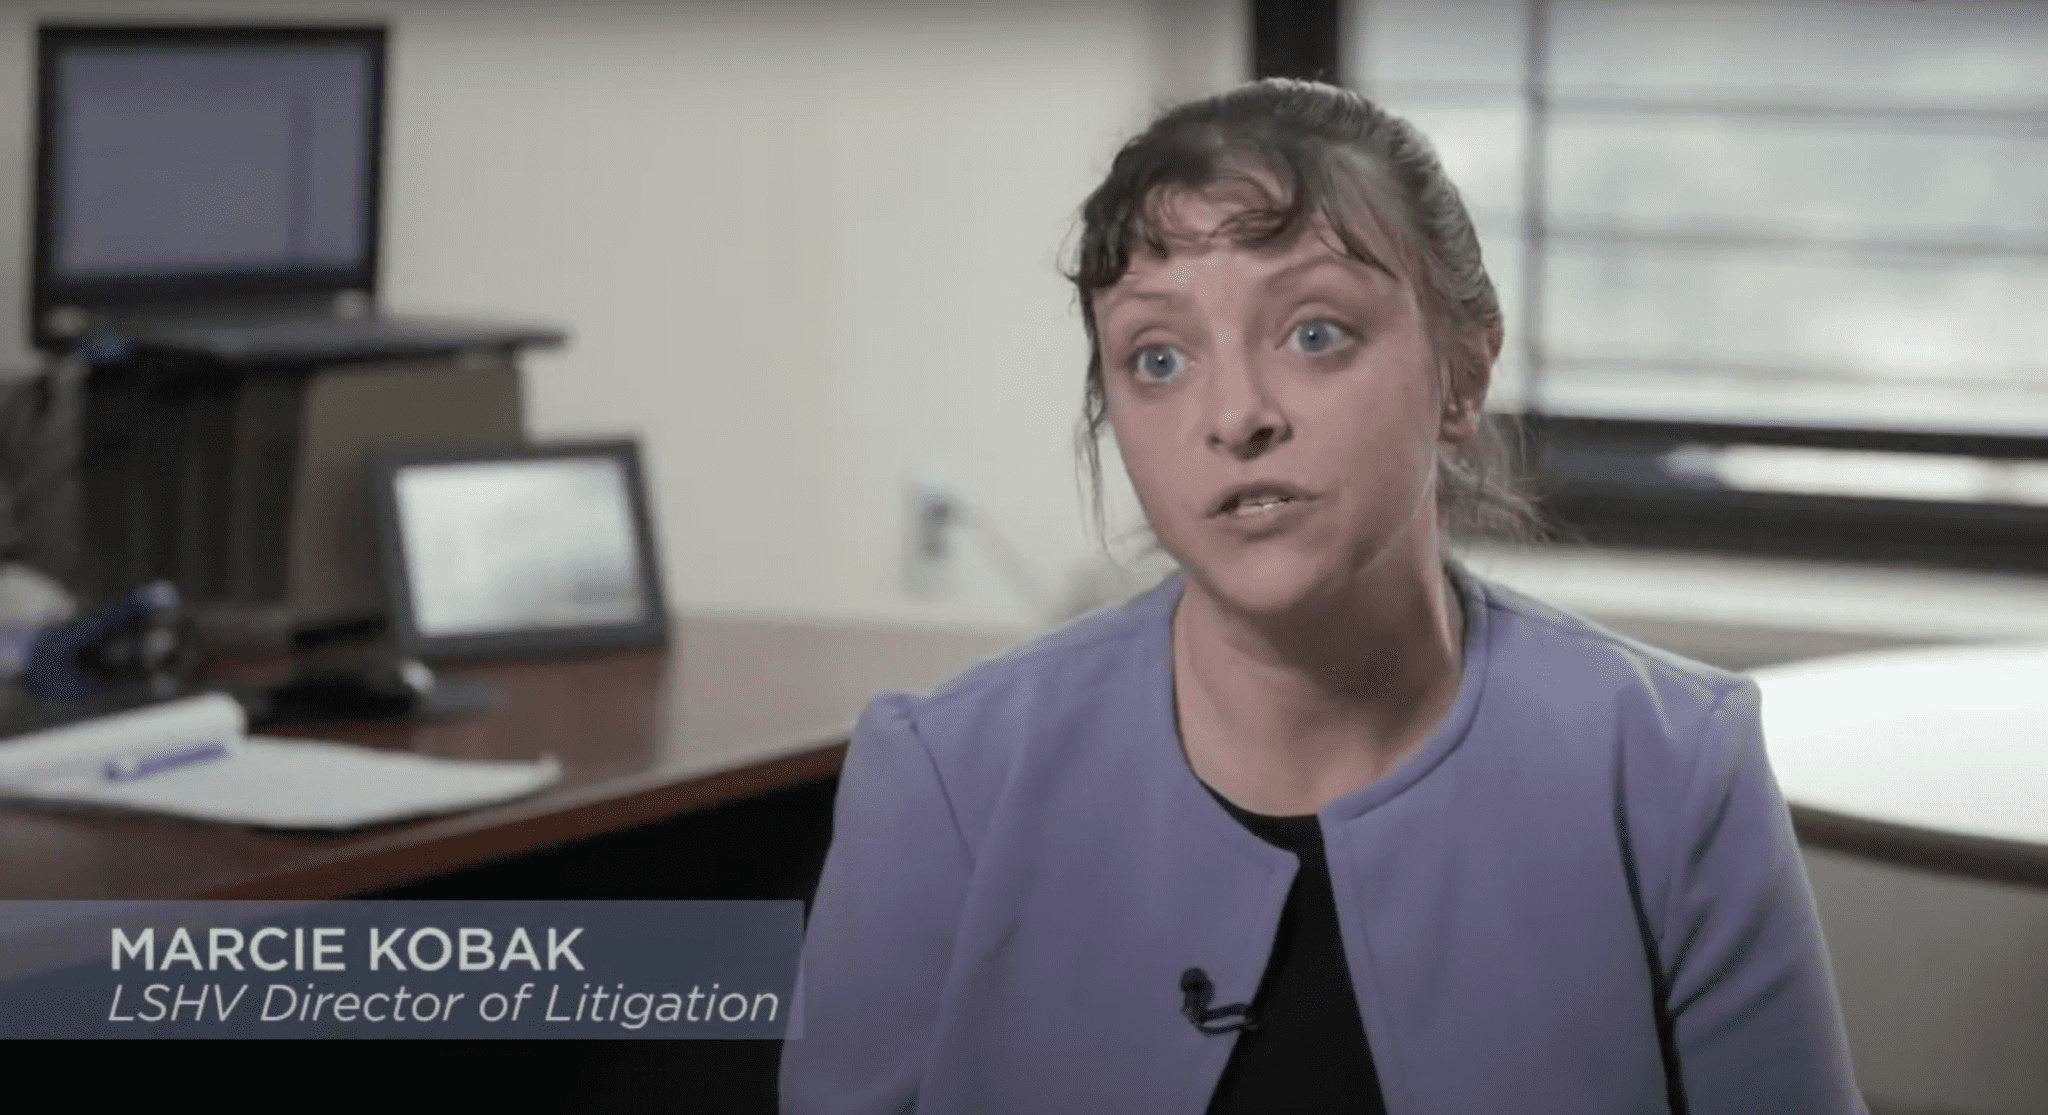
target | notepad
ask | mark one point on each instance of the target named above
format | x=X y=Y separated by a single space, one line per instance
x=192 y=758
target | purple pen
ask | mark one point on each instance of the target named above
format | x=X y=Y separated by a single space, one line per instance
x=127 y=770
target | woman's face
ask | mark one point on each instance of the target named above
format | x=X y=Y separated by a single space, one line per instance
x=1278 y=408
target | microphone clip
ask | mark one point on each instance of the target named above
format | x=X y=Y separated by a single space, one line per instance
x=1196 y=991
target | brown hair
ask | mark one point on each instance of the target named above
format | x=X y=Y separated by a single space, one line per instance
x=1333 y=154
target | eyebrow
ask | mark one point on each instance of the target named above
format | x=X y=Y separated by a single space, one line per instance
x=1295 y=272
x=1167 y=297
x=1292 y=274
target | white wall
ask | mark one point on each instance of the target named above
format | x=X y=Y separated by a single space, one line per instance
x=803 y=248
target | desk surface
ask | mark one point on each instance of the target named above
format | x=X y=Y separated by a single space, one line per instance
x=733 y=707
x=741 y=706
x=1934 y=757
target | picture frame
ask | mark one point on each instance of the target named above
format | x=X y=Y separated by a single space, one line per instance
x=468 y=574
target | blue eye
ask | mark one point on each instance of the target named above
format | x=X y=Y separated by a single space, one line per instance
x=1159 y=362
x=1317 y=337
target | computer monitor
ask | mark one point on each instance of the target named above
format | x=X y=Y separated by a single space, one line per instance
x=203 y=164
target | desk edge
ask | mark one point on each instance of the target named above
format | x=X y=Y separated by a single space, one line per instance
x=393 y=860
x=1978 y=858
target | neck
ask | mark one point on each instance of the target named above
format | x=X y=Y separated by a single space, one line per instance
x=1282 y=712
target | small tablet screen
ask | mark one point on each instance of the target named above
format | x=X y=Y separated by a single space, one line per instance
x=498 y=546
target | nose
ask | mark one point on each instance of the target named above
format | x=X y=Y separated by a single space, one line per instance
x=1244 y=418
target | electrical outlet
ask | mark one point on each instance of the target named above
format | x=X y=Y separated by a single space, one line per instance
x=932 y=512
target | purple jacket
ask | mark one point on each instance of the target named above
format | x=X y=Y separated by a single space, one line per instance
x=1023 y=865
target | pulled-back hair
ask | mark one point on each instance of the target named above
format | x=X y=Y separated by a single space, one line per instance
x=1337 y=157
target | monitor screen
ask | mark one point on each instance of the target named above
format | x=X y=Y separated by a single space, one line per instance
x=510 y=545
x=193 y=157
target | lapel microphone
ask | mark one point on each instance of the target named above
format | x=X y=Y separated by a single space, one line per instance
x=1196 y=991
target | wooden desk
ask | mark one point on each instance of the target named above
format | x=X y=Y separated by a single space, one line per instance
x=734 y=707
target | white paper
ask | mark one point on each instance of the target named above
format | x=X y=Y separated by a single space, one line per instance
x=213 y=718
x=262 y=781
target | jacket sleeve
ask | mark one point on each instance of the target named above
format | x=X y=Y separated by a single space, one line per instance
x=881 y=930
x=1752 y=996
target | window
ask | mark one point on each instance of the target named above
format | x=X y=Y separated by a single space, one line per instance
x=1810 y=222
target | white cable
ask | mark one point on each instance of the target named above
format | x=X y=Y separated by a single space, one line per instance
x=1005 y=557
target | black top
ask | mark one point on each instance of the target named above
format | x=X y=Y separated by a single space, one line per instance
x=1309 y=1052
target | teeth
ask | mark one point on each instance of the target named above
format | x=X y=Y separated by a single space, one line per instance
x=1259 y=504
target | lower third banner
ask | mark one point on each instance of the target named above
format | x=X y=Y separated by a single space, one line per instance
x=404 y=970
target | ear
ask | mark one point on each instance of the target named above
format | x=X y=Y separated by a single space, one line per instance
x=1465 y=395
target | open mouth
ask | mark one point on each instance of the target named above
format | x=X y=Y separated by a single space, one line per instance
x=1254 y=501
x=1255 y=505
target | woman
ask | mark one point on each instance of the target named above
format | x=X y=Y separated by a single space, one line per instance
x=1324 y=822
